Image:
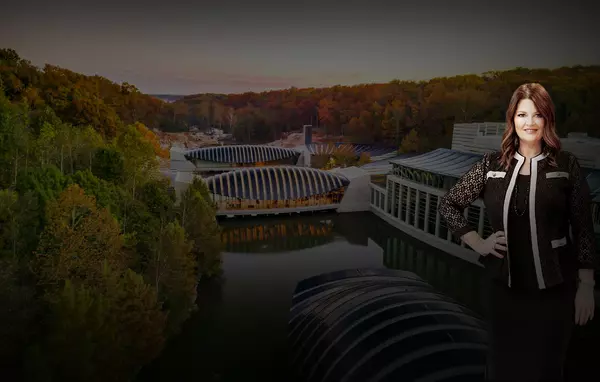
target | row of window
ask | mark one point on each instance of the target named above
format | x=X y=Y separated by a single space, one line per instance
x=407 y=210
x=227 y=204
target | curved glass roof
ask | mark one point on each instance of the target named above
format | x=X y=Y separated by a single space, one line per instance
x=441 y=161
x=357 y=149
x=241 y=153
x=275 y=183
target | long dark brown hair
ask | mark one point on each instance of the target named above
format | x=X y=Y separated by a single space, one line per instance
x=543 y=103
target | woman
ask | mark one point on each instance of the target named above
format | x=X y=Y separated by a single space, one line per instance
x=542 y=255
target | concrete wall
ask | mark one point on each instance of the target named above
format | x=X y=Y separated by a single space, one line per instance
x=357 y=196
x=178 y=161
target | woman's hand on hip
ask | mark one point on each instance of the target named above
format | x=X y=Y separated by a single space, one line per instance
x=494 y=242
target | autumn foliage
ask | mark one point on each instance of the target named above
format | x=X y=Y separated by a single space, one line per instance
x=152 y=139
x=386 y=113
x=78 y=240
x=96 y=271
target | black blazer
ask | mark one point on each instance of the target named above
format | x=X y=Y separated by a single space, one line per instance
x=559 y=197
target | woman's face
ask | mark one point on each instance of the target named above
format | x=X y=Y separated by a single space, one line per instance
x=529 y=123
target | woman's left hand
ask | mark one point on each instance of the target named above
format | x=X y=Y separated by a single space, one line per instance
x=584 y=304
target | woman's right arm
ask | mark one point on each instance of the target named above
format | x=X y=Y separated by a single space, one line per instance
x=460 y=196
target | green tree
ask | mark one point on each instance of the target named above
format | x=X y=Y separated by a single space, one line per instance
x=102 y=333
x=197 y=217
x=139 y=159
x=108 y=164
x=77 y=239
x=20 y=220
x=107 y=194
x=172 y=271
x=44 y=184
x=14 y=140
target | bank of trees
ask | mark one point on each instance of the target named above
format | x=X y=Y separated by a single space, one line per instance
x=98 y=263
x=387 y=113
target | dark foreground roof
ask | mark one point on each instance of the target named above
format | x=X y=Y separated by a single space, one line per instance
x=382 y=325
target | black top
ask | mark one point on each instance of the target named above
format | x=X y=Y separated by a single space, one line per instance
x=522 y=268
x=562 y=195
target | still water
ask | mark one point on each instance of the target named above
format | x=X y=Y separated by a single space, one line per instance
x=240 y=329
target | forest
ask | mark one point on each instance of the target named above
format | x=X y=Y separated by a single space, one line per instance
x=99 y=265
x=417 y=115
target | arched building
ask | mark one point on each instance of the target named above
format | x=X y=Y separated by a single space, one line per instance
x=284 y=188
x=217 y=159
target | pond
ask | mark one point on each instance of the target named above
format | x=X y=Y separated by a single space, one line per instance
x=239 y=332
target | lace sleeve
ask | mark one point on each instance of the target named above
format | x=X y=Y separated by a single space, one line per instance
x=461 y=195
x=580 y=217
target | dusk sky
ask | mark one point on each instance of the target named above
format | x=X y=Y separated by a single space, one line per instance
x=177 y=47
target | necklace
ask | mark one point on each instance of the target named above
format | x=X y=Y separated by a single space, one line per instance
x=517 y=197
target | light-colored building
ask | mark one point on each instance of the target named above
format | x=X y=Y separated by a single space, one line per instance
x=218 y=159
x=288 y=189
x=408 y=198
x=479 y=138
x=409 y=195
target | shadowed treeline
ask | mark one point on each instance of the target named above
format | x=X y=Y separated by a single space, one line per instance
x=417 y=115
x=98 y=265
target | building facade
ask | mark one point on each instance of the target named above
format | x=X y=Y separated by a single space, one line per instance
x=479 y=138
x=217 y=159
x=265 y=190
x=408 y=197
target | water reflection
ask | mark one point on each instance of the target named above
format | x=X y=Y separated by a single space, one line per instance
x=457 y=279
x=277 y=235
x=240 y=330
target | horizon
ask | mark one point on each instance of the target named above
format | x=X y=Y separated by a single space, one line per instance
x=236 y=47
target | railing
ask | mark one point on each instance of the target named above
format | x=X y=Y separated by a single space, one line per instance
x=414 y=207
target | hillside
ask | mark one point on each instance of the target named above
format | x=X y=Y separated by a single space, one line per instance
x=99 y=266
x=84 y=100
x=369 y=113
x=387 y=112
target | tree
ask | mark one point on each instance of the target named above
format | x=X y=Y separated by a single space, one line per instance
x=109 y=165
x=20 y=221
x=151 y=138
x=139 y=158
x=364 y=159
x=106 y=194
x=44 y=183
x=102 y=333
x=410 y=143
x=14 y=140
x=77 y=240
x=197 y=217
x=172 y=272
x=87 y=143
x=345 y=156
